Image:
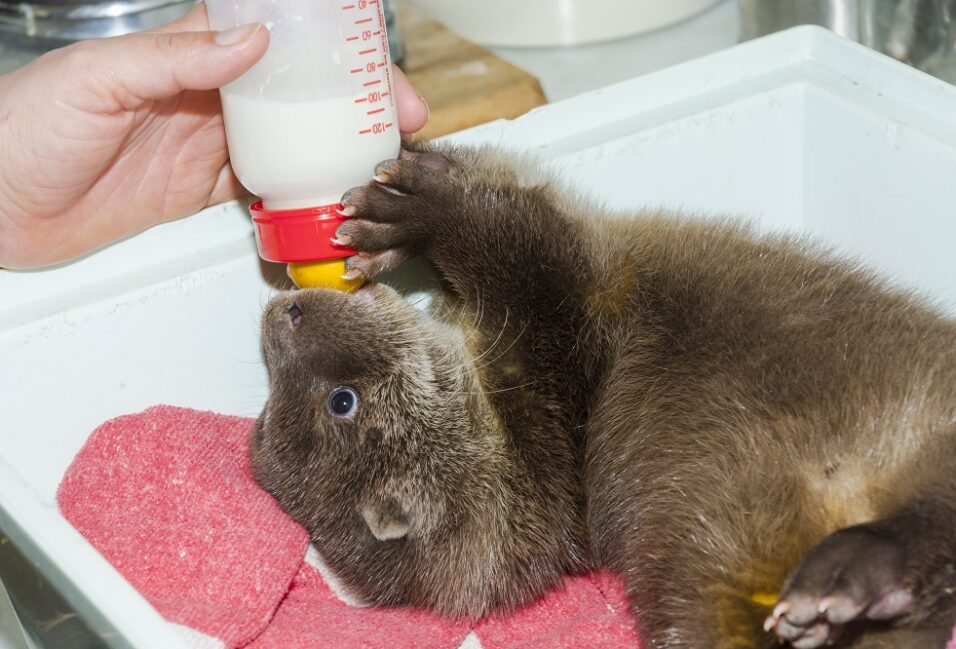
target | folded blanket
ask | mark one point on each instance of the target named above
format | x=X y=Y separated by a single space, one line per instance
x=167 y=497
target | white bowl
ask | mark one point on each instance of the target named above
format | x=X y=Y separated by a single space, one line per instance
x=549 y=23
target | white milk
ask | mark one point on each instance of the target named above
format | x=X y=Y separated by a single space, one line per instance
x=294 y=154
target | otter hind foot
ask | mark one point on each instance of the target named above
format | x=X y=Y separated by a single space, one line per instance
x=854 y=575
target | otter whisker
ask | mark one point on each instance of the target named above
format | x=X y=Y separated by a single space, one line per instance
x=479 y=310
x=514 y=387
x=504 y=326
x=479 y=314
x=506 y=349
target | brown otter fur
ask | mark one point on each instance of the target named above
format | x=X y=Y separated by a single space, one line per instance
x=718 y=416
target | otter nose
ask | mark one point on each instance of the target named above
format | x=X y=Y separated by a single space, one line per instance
x=294 y=313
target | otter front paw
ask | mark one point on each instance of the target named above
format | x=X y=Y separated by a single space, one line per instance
x=853 y=575
x=393 y=215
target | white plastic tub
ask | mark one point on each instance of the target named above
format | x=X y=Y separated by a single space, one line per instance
x=800 y=131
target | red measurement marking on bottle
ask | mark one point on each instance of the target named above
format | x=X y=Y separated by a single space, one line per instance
x=370 y=37
x=377 y=128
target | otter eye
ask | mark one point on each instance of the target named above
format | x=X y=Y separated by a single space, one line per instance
x=343 y=403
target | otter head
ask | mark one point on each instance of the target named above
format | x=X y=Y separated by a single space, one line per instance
x=370 y=438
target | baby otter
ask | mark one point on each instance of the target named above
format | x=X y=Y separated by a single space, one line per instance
x=758 y=436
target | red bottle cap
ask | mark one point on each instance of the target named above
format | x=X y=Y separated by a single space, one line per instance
x=290 y=236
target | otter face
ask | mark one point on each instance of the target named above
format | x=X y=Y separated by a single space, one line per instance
x=366 y=440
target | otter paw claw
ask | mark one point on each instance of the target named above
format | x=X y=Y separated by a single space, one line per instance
x=853 y=575
x=390 y=216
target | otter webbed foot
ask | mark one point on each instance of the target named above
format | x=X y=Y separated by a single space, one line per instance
x=854 y=575
x=393 y=215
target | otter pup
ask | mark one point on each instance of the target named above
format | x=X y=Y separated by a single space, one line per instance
x=758 y=436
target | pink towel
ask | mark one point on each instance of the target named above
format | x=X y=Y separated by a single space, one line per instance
x=312 y=616
x=167 y=497
x=591 y=611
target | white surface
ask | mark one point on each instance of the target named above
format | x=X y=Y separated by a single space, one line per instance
x=196 y=640
x=799 y=131
x=296 y=154
x=314 y=559
x=569 y=22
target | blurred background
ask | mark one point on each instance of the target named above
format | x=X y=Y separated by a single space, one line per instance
x=478 y=61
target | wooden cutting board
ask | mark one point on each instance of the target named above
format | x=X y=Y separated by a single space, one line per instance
x=464 y=84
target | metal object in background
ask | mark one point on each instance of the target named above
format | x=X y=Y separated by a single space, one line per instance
x=45 y=618
x=912 y=31
x=73 y=20
x=12 y=634
x=396 y=46
x=70 y=20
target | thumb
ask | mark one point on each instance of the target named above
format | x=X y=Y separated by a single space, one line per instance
x=156 y=65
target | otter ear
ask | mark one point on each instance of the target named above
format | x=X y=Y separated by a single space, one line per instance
x=387 y=520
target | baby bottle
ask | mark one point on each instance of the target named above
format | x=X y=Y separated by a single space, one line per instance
x=309 y=121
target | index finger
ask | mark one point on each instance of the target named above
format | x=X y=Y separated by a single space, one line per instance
x=411 y=107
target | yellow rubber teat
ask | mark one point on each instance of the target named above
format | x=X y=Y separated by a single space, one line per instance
x=323 y=274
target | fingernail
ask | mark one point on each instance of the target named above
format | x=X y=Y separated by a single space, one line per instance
x=352 y=274
x=428 y=110
x=348 y=210
x=236 y=35
x=769 y=623
x=382 y=178
x=343 y=240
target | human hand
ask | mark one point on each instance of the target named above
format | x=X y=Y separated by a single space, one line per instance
x=105 y=138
